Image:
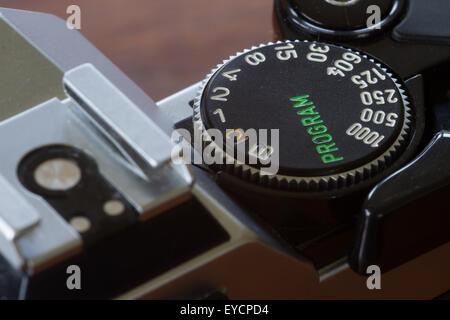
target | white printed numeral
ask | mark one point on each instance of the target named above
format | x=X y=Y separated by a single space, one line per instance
x=286 y=52
x=318 y=53
x=255 y=58
x=367 y=136
x=368 y=98
x=379 y=117
x=220 y=96
x=342 y=65
x=369 y=79
x=231 y=74
x=221 y=115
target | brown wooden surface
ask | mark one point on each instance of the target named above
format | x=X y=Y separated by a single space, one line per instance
x=166 y=45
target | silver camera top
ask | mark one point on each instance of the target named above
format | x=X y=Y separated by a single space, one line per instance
x=66 y=102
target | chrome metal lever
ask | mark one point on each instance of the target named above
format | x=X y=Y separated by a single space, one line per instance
x=119 y=118
x=17 y=216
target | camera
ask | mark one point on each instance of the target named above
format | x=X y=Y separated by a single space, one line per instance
x=297 y=169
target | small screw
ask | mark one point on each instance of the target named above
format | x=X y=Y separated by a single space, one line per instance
x=113 y=207
x=81 y=224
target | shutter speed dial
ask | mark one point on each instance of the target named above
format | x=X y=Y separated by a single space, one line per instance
x=341 y=117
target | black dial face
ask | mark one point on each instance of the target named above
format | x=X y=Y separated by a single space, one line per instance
x=335 y=109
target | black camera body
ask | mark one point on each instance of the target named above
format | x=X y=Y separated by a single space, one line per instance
x=293 y=170
x=412 y=38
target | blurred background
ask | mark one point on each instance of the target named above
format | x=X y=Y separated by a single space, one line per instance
x=164 y=45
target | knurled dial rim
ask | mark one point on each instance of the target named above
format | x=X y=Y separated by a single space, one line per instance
x=329 y=182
